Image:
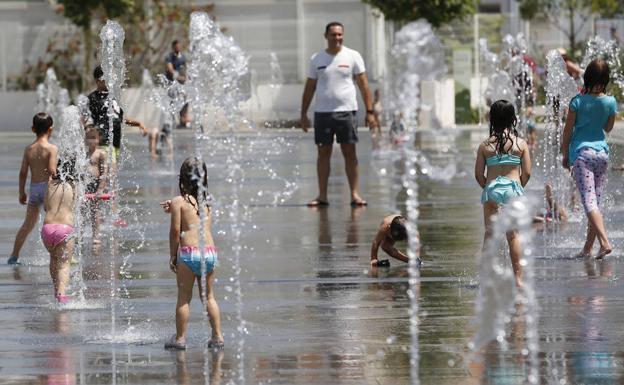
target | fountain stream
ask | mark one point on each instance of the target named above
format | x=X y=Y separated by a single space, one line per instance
x=419 y=56
x=497 y=291
x=112 y=36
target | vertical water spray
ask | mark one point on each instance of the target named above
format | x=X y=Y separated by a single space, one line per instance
x=560 y=89
x=609 y=51
x=169 y=97
x=277 y=76
x=522 y=81
x=112 y=36
x=509 y=76
x=215 y=71
x=419 y=56
x=497 y=292
x=51 y=97
x=72 y=146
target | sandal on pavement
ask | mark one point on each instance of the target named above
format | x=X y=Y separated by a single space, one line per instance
x=173 y=344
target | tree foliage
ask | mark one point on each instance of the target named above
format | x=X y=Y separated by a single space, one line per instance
x=82 y=12
x=529 y=9
x=569 y=16
x=149 y=25
x=436 y=12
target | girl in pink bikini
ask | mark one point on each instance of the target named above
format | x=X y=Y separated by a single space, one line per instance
x=58 y=225
x=185 y=253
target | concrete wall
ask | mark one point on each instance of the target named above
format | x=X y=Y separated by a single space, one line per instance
x=17 y=110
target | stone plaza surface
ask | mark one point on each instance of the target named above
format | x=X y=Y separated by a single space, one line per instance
x=314 y=312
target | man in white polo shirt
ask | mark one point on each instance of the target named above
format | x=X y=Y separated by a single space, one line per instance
x=331 y=75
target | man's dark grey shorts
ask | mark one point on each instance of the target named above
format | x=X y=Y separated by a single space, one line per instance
x=343 y=124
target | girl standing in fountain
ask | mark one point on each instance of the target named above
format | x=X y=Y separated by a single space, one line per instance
x=584 y=147
x=58 y=224
x=185 y=262
x=508 y=163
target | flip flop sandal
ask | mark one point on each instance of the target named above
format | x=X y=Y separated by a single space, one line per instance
x=172 y=344
x=317 y=203
x=216 y=344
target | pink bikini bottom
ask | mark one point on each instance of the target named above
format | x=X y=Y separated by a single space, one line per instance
x=53 y=234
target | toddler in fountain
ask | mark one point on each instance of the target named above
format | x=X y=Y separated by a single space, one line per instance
x=508 y=163
x=391 y=230
x=40 y=158
x=584 y=147
x=185 y=254
x=58 y=223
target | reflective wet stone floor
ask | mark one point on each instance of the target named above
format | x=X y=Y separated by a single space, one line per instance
x=314 y=313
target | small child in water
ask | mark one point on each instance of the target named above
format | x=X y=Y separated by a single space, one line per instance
x=58 y=225
x=591 y=115
x=185 y=254
x=40 y=158
x=391 y=230
x=508 y=162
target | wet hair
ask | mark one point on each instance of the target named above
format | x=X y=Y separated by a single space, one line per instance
x=98 y=73
x=66 y=169
x=90 y=129
x=42 y=123
x=333 y=24
x=193 y=180
x=398 y=232
x=502 y=123
x=596 y=74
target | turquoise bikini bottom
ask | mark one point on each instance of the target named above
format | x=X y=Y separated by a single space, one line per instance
x=501 y=190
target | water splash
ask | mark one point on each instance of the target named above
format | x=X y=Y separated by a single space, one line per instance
x=560 y=89
x=82 y=102
x=51 y=97
x=609 y=51
x=497 y=292
x=112 y=36
x=277 y=76
x=509 y=76
x=72 y=146
x=418 y=55
x=215 y=74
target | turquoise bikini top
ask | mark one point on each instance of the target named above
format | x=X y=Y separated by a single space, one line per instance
x=503 y=160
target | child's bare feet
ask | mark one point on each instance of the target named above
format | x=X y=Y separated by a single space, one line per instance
x=604 y=251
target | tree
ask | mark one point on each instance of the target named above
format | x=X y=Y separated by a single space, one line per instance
x=83 y=12
x=569 y=16
x=150 y=28
x=436 y=12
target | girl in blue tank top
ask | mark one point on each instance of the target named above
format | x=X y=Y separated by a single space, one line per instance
x=584 y=147
x=502 y=169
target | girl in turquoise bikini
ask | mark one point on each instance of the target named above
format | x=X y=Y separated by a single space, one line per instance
x=506 y=158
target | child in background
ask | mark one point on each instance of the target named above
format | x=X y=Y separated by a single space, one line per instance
x=391 y=230
x=397 y=129
x=185 y=254
x=94 y=190
x=508 y=163
x=40 y=159
x=58 y=225
x=584 y=147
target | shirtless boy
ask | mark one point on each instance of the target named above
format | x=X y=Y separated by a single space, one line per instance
x=40 y=158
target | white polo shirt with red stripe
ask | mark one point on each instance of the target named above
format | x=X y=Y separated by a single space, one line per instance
x=335 y=83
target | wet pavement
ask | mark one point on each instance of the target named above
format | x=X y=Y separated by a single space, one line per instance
x=314 y=313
